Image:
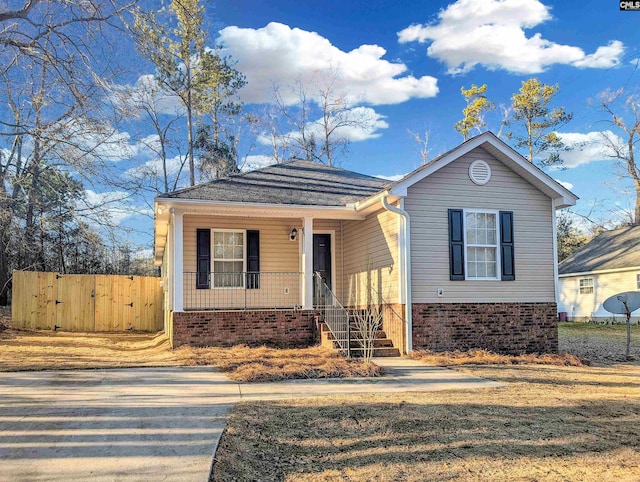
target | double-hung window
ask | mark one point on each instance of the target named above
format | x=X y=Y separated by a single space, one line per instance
x=228 y=259
x=481 y=236
x=481 y=245
x=586 y=286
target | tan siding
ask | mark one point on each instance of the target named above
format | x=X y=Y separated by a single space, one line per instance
x=586 y=306
x=427 y=203
x=371 y=259
x=277 y=254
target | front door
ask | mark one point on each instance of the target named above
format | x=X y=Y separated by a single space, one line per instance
x=322 y=258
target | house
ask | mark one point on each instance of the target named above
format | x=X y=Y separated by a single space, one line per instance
x=459 y=254
x=609 y=264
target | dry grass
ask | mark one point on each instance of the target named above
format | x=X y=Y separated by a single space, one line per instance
x=485 y=357
x=551 y=423
x=38 y=350
x=270 y=364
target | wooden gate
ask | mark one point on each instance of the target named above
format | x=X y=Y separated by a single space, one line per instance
x=83 y=302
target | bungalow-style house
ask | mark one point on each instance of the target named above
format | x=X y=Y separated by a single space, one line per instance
x=609 y=264
x=460 y=253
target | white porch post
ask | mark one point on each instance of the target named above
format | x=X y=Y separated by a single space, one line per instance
x=307 y=263
x=178 y=262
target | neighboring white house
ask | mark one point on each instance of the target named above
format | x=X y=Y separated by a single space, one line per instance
x=607 y=265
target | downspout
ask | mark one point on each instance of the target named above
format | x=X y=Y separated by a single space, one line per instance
x=405 y=262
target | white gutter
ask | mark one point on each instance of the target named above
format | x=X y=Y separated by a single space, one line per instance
x=405 y=262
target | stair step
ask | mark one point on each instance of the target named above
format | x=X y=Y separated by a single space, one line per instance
x=378 y=352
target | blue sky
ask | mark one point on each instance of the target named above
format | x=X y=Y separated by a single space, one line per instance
x=408 y=60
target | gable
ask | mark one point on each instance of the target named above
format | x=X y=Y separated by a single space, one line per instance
x=498 y=150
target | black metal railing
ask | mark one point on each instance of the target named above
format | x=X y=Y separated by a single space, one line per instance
x=241 y=290
x=333 y=314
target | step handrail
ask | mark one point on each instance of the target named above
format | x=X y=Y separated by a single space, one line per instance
x=333 y=314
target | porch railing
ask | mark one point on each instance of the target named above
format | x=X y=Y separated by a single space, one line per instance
x=241 y=290
x=334 y=315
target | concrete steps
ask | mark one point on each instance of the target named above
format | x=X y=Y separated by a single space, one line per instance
x=383 y=346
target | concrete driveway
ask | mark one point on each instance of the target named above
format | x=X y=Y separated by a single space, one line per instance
x=112 y=425
x=152 y=424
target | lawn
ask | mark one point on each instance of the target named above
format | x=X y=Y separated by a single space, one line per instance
x=45 y=350
x=552 y=422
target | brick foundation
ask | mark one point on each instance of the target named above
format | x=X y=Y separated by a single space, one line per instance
x=501 y=327
x=283 y=329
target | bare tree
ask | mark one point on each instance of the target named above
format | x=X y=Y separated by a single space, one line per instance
x=623 y=112
x=423 y=143
x=316 y=126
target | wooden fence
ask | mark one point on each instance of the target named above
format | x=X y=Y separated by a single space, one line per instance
x=86 y=302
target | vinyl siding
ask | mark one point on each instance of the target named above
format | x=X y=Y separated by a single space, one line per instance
x=371 y=271
x=588 y=306
x=428 y=202
x=277 y=254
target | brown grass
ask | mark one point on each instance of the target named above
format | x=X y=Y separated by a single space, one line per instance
x=38 y=350
x=270 y=364
x=46 y=350
x=485 y=357
x=551 y=423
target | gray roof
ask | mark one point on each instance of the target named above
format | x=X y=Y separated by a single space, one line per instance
x=615 y=249
x=293 y=182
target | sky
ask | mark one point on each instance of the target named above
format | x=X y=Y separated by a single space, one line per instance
x=405 y=63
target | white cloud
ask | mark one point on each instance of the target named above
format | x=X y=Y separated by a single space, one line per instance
x=147 y=92
x=395 y=177
x=586 y=147
x=251 y=163
x=604 y=57
x=492 y=33
x=111 y=207
x=568 y=185
x=153 y=168
x=355 y=125
x=280 y=54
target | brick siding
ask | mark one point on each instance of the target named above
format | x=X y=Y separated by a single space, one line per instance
x=283 y=329
x=501 y=327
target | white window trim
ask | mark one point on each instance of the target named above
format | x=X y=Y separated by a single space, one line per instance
x=593 y=285
x=244 y=257
x=638 y=281
x=498 y=276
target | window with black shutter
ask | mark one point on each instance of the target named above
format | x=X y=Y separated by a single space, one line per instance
x=506 y=246
x=203 y=263
x=456 y=245
x=253 y=259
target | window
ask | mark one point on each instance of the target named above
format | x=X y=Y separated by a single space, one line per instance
x=481 y=245
x=481 y=240
x=586 y=286
x=638 y=281
x=228 y=259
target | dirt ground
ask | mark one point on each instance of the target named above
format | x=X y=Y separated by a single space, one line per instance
x=600 y=344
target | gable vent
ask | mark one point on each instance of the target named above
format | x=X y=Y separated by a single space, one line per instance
x=479 y=172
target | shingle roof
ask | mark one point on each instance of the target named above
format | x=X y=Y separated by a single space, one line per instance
x=293 y=182
x=615 y=249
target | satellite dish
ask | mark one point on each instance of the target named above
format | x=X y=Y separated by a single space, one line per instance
x=622 y=303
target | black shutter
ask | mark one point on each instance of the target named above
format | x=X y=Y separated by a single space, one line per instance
x=506 y=246
x=203 y=255
x=253 y=260
x=456 y=245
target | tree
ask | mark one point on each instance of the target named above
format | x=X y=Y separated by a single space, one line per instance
x=477 y=106
x=217 y=139
x=623 y=114
x=531 y=110
x=569 y=237
x=176 y=49
x=317 y=125
x=423 y=143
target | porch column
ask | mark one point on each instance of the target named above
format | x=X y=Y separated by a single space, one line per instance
x=307 y=263
x=178 y=262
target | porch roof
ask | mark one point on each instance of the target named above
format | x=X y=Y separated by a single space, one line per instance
x=296 y=182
